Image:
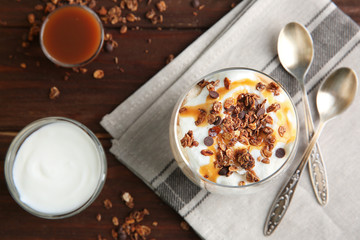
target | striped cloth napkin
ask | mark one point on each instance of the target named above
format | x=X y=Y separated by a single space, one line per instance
x=139 y=125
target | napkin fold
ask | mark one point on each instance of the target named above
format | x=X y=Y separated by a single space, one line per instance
x=247 y=37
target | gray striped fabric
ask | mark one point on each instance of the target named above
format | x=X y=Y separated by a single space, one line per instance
x=139 y=125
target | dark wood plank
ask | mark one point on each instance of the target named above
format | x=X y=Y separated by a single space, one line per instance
x=82 y=97
x=179 y=14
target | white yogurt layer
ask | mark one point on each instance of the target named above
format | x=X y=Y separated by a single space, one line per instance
x=57 y=168
x=198 y=97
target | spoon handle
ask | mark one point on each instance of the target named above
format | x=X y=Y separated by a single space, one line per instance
x=282 y=201
x=316 y=164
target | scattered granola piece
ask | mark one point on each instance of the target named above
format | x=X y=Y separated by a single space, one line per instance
x=132 y=228
x=123 y=29
x=115 y=221
x=281 y=131
x=128 y=199
x=98 y=217
x=130 y=17
x=98 y=74
x=202 y=83
x=188 y=140
x=241 y=183
x=116 y=60
x=25 y=44
x=155 y=224
x=274 y=88
x=149 y=40
x=229 y=102
x=201 y=7
x=207 y=152
x=107 y=204
x=114 y=234
x=227 y=83
x=185 y=226
x=273 y=107
x=183 y=109
x=201 y=117
x=23 y=65
x=39 y=7
x=216 y=107
x=132 y=5
x=31 y=18
x=245 y=159
x=211 y=118
x=150 y=14
x=265 y=160
x=251 y=176
x=49 y=7
x=161 y=6
x=92 y=4
x=54 y=93
x=83 y=70
x=260 y=86
x=169 y=58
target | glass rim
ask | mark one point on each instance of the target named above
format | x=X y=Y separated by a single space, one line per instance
x=67 y=65
x=17 y=143
x=173 y=127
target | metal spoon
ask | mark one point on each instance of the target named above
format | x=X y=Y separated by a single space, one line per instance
x=334 y=96
x=295 y=50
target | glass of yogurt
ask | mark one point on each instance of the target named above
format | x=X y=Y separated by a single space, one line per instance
x=234 y=131
x=55 y=168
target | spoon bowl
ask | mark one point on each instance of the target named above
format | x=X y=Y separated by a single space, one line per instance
x=295 y=49
x=336 y=93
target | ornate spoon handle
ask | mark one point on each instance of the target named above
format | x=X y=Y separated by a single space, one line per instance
x=316 y=164
x=318 y=175
x=283 y=199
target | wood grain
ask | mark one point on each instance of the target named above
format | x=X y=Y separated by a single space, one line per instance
x=24 y=98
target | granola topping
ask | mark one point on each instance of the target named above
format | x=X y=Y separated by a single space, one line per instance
x=240 y=117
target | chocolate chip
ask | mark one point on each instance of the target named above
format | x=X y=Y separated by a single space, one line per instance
x=121 y=234
x=260 y=112
x=224 y=171
x=230 y=109
x=217 y=120
x=280 y=153
x=242 y=114
x=214 y=94
x=195 y=3
x=208 y=141
x=109 y=46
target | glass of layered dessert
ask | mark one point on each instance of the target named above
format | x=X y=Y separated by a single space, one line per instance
x=234 y=131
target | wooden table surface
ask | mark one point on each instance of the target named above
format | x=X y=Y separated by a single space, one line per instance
x=24 y=97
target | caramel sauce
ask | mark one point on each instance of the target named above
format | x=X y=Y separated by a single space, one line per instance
x=72 y=35
x=209 y=170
